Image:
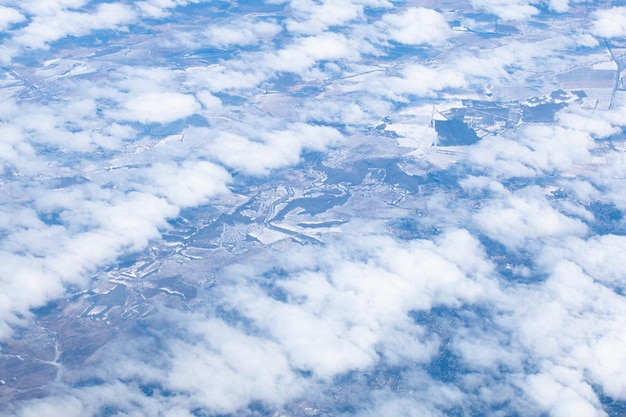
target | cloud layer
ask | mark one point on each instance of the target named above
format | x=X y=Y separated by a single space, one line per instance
x=251 y=209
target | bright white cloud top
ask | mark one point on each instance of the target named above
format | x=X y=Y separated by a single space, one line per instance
x=299 y=208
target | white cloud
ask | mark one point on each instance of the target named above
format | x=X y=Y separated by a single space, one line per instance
x=189 y=184
x=306 y=51
x=363 y=307
x=9 y=16
x=508 y=64
x=218 y=78
x=405 y=407
x=588 y=122
x=47 y=28
x=416 y=26
x=347 y=308
x=587 y=40
x=13 y=147
x=609 y=23
x=157 y=107
x=312 y=17
x=559 y=6
x=520 y=219
x=538 y=149
x=273 y=149
x=209 y=101
x=226 y=373
x=342 y=312
x=507 y=10
x=415 y=79
x=563 y=400
x=598 y=256
x=573 y=330
x=241 y=33
x=49 y=7
x=161 y=8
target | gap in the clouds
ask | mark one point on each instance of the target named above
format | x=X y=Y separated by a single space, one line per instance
x=179 y=230
x=292 y=84
x=411 y=228
x=444 y=366
x=314 y=205
x=197 y=120
x=219 y=9
x=215 y=9
x=275 y=291
x=613 y=407
x=89 y=382
x=514 y=265
x=536 y=24
x=95 y=39
x=619 y=137
x=125 y=260
x=457 y=324
x=16 y=27
x=608 y=219
x=204 y=412
x=108 y=411
x=157 y=131
x=398 y=51
x=255 y=6
x=208 y=55
x=519 y=183
x=230 y=99
x=51 y=307
x=51 y=218
x=441 y=321
x=67 y=158
x=351 y=390
x=307 y=91
x=443 y=179
x=259 y=408
x=234 y=318
x=154 y=389
x=65 y=182
x=208 y=236
x=387 y=169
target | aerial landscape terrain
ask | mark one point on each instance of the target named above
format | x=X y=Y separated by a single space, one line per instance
x=312 y=208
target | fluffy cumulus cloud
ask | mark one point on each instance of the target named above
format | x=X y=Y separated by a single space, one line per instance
x=232 y=370
x=161 y=8
x=258 y=156
x=9 y=17
x=537 y=149
x=46 y=28
x=305 y=52
x=158 y=107
x=346 y=314
x=609 y=23
x=241 y=33
x=519 y=219
x=39 y=259
x=559 y=6
x=507 y=10
x=313 y=17
x=415 y=26
x=352 y=311
x=415 y=80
